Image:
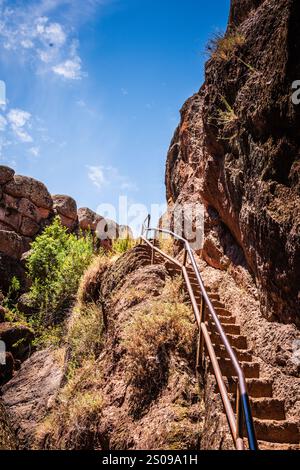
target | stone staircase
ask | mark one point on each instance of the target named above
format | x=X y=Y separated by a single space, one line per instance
x=273 y=430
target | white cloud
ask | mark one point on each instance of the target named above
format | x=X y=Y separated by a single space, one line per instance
x=102 y=176
x=96 y=175
x=49 y=45
x=52 y=33
x=18 y=117
x=19 y=120
x=3 y=123
x=34 y=151
x=70 y=69
x=27 y=43
x=23 y=135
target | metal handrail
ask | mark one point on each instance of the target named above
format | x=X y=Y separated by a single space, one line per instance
x=243 y=411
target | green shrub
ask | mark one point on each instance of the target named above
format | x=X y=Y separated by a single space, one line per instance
x=55 y=266
x=122 y=245
x=12 y=294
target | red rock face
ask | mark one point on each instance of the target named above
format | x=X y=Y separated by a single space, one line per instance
x=237 y=151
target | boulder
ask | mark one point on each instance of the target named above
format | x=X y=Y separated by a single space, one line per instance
x=17 y=338
x=10 y=217
x=31 y=393
x=35 y=191
x=68 y=223
x=6 y=174
x=29 y=228
x=11 y=244
x=24 y=207
x=65 y=206
x=88 y=219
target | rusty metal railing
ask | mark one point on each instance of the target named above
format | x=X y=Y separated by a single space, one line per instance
x=243 y=415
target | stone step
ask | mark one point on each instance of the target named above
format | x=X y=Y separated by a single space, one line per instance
x=223 y=312
x=266 y=408
x=226 y=320
x=237 y=341
x=240 y=354
x=257 y=388
x=263 y=445
x=281 y=432
x=227 y=327
x=216 y=302
x=250 y=369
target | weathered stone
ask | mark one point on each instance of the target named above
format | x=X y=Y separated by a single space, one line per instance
x=65 y=205
x=6 y=174
x=29 y=227
x=10 y=217
x=43 y=213
x=17 y=339
x=28 y=396
x=88 y=219
x=35 y=191
x=6 y=227
x=11 y=244
x=66 y=222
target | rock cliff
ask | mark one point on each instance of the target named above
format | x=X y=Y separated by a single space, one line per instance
x=237 y=147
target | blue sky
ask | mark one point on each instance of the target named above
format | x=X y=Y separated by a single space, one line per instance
x=94 y=90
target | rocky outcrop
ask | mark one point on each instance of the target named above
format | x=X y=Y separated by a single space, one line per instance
x=30 y=394
x=66 y=208
x=237 y=149
x=26 y=208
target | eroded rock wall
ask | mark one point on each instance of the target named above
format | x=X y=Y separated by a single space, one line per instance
x=237 y=151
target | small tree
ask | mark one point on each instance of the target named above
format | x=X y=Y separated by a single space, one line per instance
x=55 y=266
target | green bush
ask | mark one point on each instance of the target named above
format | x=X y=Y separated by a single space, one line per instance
x=122 y=245
x=55 y=266
x=12 y=295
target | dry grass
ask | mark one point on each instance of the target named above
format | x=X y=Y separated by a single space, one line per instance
x=226 y=116
x=222 y=47
x=85 y=333
x=160 y=328
x=91 y=280
x=166 y=244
